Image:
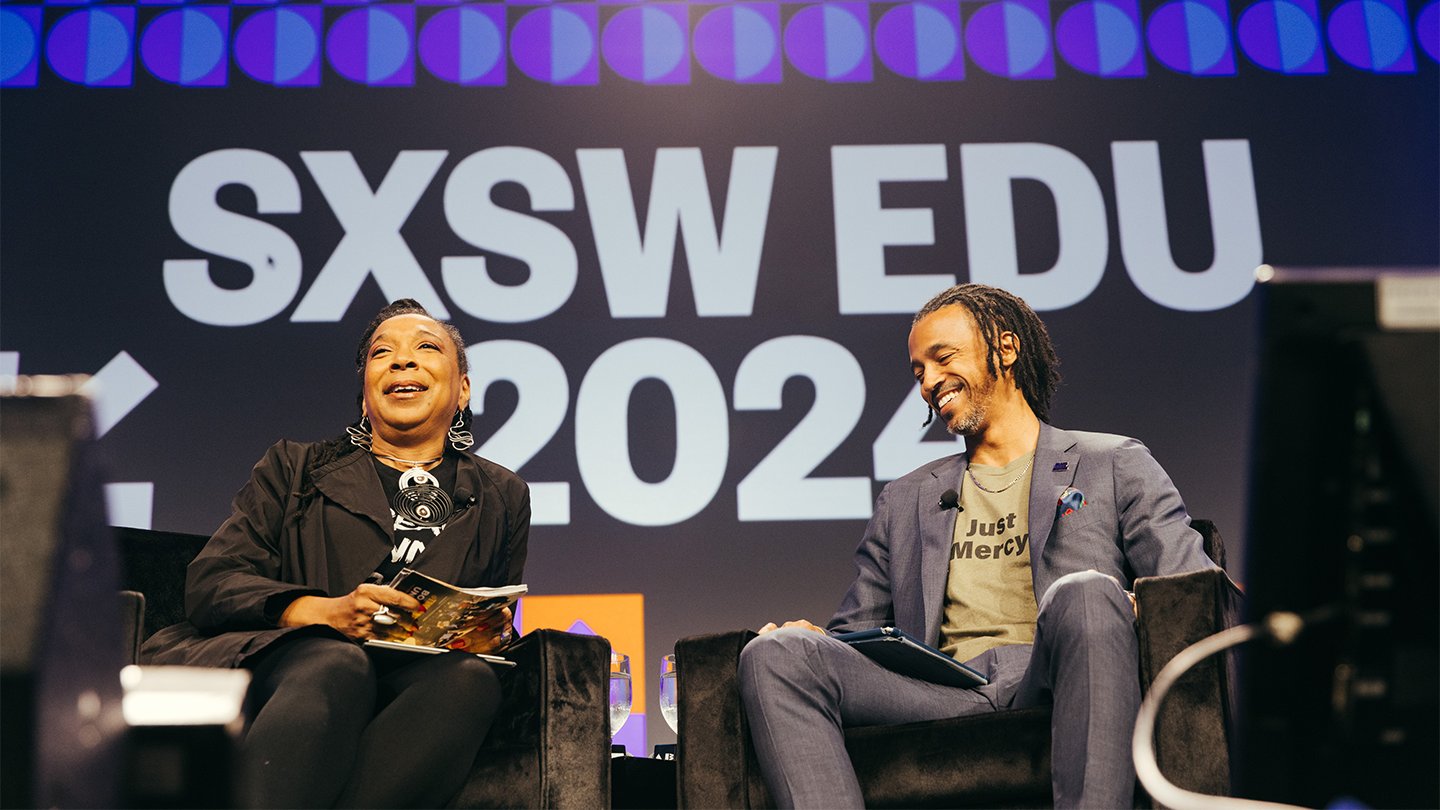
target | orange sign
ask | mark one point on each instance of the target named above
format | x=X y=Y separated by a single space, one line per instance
x=619 y=617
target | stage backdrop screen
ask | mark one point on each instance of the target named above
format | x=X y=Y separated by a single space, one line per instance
x=685 y=241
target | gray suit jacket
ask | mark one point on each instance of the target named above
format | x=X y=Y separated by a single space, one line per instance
x=1134 y=524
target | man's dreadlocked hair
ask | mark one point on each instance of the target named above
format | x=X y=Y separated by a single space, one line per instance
x=341 y=445
x=996 y=311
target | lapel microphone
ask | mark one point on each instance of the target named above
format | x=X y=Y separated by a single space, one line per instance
x=950 y=499
x=463 y=499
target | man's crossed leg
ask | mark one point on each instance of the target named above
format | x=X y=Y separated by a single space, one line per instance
x=801 y=688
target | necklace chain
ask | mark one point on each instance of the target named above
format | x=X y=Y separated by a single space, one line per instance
x=406 y=460
x=977 y=483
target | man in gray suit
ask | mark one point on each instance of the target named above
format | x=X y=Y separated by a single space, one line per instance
x=1068 y=517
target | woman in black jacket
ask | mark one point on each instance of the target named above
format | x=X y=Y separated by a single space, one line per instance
x=289 y=585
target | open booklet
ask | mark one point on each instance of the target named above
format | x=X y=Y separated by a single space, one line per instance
x=452 y=618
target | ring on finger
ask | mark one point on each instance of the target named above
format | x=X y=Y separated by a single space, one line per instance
x=383 y=616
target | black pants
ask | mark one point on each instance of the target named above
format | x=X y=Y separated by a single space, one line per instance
x=331 y=728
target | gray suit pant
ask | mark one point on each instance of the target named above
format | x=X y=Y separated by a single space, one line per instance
x=801 y=688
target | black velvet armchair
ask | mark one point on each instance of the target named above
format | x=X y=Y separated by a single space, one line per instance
x=994 y=760
x=550 y=743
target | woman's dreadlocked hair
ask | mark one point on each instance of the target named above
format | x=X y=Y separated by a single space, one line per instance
x=996 y=311
x=341 y=446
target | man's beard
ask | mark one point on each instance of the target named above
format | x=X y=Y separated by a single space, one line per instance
x=976 y=415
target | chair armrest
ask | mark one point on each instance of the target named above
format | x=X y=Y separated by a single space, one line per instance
x=1192 y=731
x=717 y=766
x=132 y=624
x=716 y=762
x=549 y=745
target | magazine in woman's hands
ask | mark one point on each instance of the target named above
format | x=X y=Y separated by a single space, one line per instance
x=450 y=617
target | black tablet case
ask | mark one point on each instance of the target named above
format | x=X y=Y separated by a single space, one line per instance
x=900 y=652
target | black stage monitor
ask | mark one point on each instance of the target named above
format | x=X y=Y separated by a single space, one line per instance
x=1343 y=521
x=61 y=648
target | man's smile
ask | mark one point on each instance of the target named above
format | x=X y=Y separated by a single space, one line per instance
x=942 y=399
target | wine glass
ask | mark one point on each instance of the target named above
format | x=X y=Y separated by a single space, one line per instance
x=620 y=691
x=668 y=697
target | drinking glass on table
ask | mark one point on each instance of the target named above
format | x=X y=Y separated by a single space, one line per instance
x=620 y=691
x=668 y=696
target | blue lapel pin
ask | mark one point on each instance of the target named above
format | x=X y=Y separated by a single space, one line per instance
x=1061 y=466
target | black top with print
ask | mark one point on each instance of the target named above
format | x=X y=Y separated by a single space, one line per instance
x=410 y=539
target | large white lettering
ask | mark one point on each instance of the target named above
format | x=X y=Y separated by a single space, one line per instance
x=199 y=220
x=1145 y=237
x=863 y=228
x=372 y=244
x=544 y=248
x=902 y=447
x=724 y=262
x=543 y=400
x=602 y=435
x=986 y=172
x=780 y=487
x=724 y=267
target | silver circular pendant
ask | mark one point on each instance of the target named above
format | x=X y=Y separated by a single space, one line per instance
x=416 y=475
x=421 y=500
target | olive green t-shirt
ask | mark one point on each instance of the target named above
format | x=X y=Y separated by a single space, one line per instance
x=989 y=595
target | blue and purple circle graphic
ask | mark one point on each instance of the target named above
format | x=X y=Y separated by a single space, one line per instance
x=372 y=46
x=281 y=46
x=831 y=41
x=921 y=40
x=1373 y=35
x=1193 y=36
x=650 y=43
x=558 y=44
x=94 y=47
x=1102 y=38
x=466 y=45
x=188 y=46
x=741 y=43
x=1012 y=38
x=1427 y=30
x=1283 y=36
x=19 y=46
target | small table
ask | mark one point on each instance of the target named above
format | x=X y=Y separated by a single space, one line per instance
x=642 y=783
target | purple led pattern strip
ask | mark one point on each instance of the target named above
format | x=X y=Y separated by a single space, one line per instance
x=746 y=42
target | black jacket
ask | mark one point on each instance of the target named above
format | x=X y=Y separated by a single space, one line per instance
x=274 y=548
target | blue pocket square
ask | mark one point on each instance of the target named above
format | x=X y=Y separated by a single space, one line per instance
x=1070 y=502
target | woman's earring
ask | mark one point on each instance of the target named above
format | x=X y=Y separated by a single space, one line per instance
x=360 y=435
x=460 y=437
